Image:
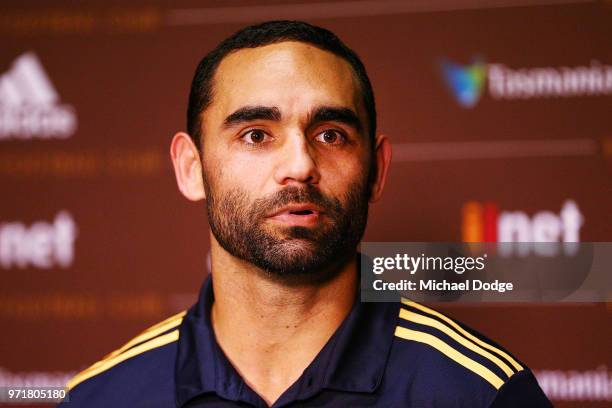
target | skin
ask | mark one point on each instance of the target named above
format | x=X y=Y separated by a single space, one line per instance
x=271 y=329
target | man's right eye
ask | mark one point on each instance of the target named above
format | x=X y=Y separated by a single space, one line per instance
x=255 y=136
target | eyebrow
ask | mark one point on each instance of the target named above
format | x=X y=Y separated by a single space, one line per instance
x=320 y=114
x=251 y=113
x=336 y=114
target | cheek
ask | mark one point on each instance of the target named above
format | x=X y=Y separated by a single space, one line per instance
x=339 y=176
x=212 y=173
x=234 y=172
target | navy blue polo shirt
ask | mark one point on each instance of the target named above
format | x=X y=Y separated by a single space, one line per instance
x=399 y=354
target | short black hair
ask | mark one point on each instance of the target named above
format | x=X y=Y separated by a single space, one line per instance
x=260 y=35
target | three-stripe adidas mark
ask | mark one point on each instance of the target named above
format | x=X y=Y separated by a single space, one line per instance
x=29 y=104
x=156 y=336
x=424 y=325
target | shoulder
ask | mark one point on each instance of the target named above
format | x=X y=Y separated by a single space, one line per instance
x=438 y=360
x=142 y=368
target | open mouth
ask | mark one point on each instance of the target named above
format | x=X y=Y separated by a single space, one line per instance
x=301 y=212
x=297 y=215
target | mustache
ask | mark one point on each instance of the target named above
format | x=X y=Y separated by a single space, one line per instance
x=296 y=195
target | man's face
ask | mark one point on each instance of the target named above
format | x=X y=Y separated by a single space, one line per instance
x=286 y=158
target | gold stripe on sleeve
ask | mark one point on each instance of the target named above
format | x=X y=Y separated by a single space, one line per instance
x=427 y=321
x=451 y=353
x=475 y=339
x=111 y=362
x=149 y=333
x=171 y=319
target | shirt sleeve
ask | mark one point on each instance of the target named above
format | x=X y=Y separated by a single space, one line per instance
x=521 y=390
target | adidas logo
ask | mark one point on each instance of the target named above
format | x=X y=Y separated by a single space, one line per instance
x=29 y=104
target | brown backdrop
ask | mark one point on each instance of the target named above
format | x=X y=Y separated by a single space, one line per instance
x=129 y=250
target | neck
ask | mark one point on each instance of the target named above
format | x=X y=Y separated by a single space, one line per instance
x=259 y=321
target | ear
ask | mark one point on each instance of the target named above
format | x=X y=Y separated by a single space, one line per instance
x=383 y=160
x=187 y=167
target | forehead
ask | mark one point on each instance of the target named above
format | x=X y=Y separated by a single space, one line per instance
x=290 y=75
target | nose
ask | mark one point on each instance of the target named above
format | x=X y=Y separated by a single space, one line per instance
x=296 y=162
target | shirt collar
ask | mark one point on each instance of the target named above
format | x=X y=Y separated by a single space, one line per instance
x=354 y=359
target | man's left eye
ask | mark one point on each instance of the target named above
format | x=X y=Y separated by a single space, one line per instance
x=330 y=137
x=254 y=137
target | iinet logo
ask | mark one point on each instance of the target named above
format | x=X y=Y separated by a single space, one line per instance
x=42 y=245
x=29 y=104
x=485 y=223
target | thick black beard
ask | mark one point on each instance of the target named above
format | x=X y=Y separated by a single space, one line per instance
x=238 y=226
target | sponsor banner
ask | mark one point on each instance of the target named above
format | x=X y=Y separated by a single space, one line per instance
x=59 y=164
x=487 y=272
x=468 y=82
x=594 y=386
x=484 y=222
x=30 y=106
x=42 y=245
x=83 y=307
x=10 y=378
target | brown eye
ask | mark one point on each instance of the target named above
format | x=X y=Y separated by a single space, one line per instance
x=331 y=137
x=254 y=136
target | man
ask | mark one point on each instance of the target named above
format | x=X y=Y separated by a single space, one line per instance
x=282 y=145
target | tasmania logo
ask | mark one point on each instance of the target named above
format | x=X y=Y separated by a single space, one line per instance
x=29 y=104
x=468 y=83
x=465 y=81
x=484 y=222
